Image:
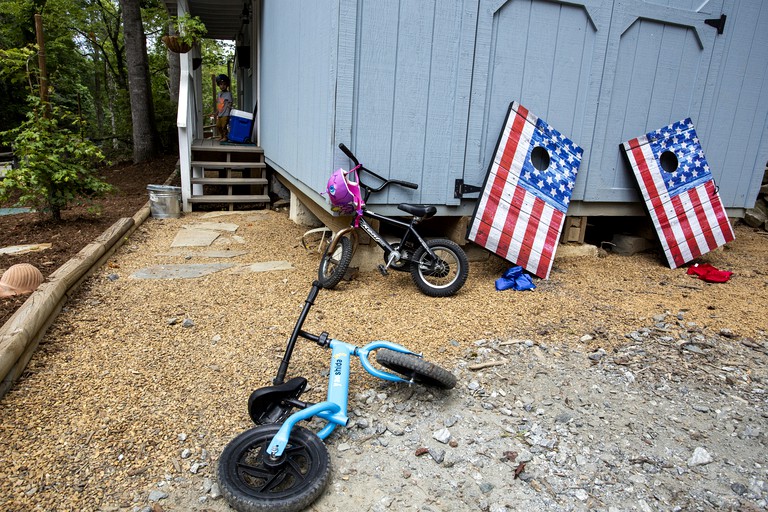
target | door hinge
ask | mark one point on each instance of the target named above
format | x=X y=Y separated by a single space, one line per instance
x=460 y=188
x=718 y=23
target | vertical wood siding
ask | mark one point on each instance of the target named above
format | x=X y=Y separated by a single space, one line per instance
x=657 y=63
x=737 y=135
x=298 y=79
x=410 y=93
x=546 y=55
x=419 y=88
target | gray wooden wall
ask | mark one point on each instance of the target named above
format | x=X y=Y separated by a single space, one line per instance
x=419 y=89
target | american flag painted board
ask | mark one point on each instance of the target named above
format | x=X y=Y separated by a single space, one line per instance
x=521 y=211
x=679 y=191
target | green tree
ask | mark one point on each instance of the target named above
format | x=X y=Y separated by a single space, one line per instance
x=146 y=143
x=56 y=166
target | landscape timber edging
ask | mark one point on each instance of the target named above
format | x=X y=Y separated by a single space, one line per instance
x=19 y=339
x=21 y=334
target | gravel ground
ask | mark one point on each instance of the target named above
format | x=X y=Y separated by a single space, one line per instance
x=618 y=384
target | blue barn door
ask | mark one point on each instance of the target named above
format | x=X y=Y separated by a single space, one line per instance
x=548 y=56
x=660 y=59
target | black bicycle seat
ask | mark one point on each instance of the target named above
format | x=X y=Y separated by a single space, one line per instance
x=265 y=404
x=424 y=211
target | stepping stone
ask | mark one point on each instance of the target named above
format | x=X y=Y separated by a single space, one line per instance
x=214 y=226
x=229 y=240
x=213 y=215
x=268 y=266
x=194 y=238
x=190 y=271
x=23 y=249
x=205 y=254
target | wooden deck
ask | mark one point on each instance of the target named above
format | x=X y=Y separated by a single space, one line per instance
x=228 y=173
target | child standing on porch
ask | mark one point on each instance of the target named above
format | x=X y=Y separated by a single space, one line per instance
x=223 y=106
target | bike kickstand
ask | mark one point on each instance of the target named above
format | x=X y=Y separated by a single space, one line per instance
x=393 y=257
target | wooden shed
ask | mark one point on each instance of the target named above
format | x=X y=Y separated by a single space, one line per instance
x=419 y=89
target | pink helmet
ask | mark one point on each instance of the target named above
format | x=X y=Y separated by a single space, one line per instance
x=344 y=194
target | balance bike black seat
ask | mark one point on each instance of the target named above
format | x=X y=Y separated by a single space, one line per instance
x=424 y=211
x=265 y=405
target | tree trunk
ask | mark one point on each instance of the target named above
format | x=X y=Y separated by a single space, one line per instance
x=174 y=75
x=97 y=89
x=146 y=143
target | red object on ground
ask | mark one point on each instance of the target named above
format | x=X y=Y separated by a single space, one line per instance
x=708 y=273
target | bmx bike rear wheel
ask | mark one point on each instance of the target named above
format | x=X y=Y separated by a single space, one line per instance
x=441 y=277
x=252 y=482
x=416 y=368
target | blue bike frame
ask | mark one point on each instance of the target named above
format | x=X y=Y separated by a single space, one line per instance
x=334 y=408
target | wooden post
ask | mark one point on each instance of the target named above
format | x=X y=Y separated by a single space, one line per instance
x=41 y=63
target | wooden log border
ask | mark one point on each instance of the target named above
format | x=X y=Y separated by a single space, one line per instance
x=21 y=334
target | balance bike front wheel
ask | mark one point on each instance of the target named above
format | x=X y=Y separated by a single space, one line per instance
x=252 y=482
x=415 y=368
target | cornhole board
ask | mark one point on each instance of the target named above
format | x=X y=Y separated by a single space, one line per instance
x=521 y=210
x=679 y=191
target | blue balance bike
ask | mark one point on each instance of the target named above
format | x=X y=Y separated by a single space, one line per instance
x=279 y=465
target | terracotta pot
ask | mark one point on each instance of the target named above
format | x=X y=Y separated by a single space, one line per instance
x=175 y=45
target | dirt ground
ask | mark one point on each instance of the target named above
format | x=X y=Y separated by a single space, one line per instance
x=124 y=397
x=81 y=223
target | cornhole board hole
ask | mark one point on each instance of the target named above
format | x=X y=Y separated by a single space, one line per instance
x=679 y=191
x=521 y=210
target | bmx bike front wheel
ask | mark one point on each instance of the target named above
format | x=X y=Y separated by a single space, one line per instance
x=334 y=264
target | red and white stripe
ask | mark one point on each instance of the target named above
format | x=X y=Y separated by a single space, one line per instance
x=689 y=224
x=510 y=221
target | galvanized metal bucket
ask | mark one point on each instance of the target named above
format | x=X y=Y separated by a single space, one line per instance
x=164 y=201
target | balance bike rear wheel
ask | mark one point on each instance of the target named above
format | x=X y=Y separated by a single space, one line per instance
x=251 y=482
x=416 y=368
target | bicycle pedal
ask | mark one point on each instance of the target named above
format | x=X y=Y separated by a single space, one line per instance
x=383 y=270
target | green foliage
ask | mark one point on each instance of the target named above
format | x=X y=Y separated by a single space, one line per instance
x=190 y=29
x=87 y=70
x=14 y=62
x=56 y=166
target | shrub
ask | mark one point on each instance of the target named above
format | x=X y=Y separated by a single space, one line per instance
x=56 y=166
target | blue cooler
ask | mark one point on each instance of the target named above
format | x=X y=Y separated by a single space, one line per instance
x=240 y=126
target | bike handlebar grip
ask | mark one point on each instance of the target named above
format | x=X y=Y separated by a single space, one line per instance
x=347 y=152
x=406 y=184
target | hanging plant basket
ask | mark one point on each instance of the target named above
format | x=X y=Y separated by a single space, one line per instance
x=176 y=45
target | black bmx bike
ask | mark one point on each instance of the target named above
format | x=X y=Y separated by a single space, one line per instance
x=438 y=266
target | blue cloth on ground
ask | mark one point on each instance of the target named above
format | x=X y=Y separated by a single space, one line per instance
x=516 y=279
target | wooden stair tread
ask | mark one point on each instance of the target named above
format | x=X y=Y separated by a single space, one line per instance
x=227 y=165
x=230 y=181
x=230 y=199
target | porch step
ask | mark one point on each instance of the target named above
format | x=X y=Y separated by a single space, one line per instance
x=228 y=165
x=227 y=174
x=230 y=199
x=230 y=181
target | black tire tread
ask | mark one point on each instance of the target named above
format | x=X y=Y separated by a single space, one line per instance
x=411 y=366
x=244 y=503
x=330 y=281
x=424 y=286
